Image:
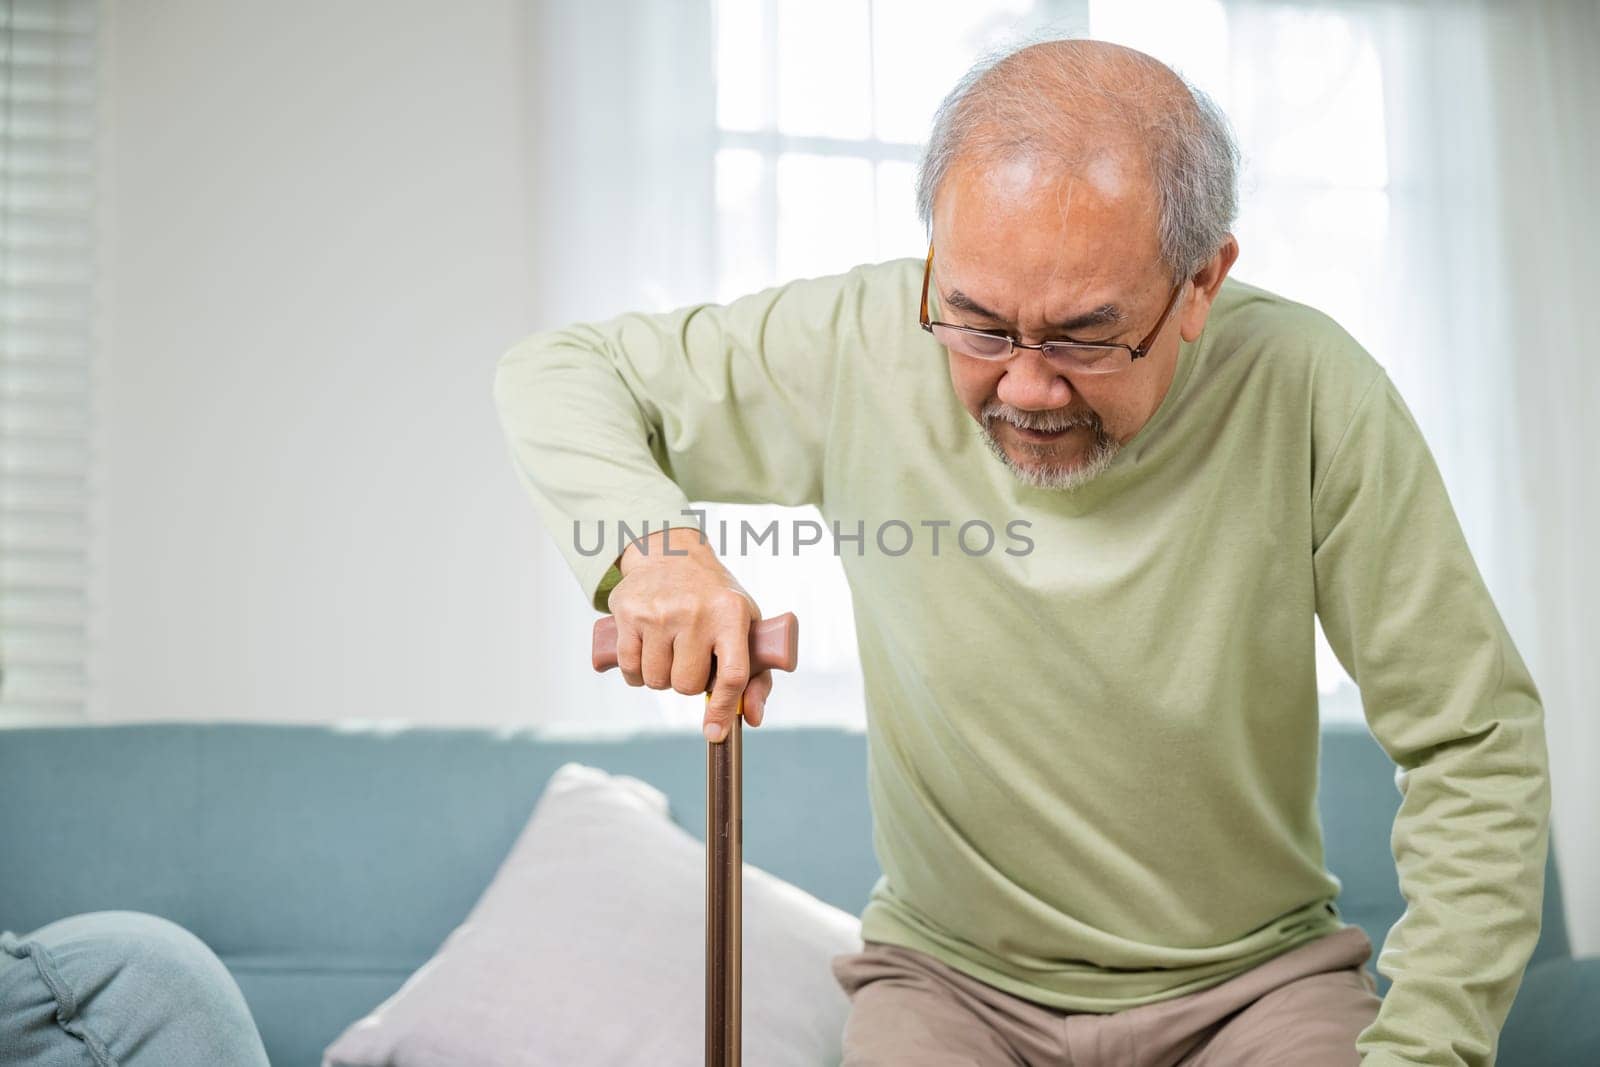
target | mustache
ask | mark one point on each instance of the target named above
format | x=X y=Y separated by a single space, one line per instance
x=1042 y=421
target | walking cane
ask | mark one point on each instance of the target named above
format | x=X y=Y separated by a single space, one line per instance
x=774 y=646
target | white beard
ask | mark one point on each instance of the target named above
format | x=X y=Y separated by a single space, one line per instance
x=1046 y=474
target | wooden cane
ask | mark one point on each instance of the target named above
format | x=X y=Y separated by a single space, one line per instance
x=775 y=646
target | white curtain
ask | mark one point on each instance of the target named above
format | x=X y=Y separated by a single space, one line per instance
x=620 y=126
x=1546 y=112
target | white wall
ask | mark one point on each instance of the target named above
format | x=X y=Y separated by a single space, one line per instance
x=317 y=247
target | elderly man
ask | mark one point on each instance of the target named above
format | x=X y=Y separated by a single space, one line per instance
x=1093 y=750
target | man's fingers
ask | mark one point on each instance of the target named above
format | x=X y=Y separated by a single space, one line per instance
x=755 y=697
x=656 y=665
x=691 y=663
x=733 y=672
x=630 y=650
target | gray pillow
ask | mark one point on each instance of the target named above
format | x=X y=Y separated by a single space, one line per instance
x=588 y=948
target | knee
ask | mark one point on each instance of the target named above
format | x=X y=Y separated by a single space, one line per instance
x=107 y=955
x=121 y=988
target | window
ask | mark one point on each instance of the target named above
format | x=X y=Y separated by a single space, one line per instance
x=822 y=108
x=47 y=122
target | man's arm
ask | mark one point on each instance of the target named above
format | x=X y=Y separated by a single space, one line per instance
x=1452 y=703
x=631 y=419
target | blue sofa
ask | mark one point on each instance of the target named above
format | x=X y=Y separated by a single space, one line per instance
x=324 y=864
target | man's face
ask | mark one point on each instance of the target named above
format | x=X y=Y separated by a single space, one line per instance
x=1034 y=249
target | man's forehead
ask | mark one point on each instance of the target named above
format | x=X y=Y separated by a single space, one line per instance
x=1057 y=306
x=1094 y=316
x=1022 y=219
x=1065 y=287
x=1106 y=178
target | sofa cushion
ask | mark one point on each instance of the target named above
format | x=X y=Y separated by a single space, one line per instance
x=588 y=947
x=1554 y=1021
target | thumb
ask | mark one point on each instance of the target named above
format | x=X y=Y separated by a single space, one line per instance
x=733 y=672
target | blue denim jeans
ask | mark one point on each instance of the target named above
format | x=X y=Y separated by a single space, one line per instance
x=120 y=989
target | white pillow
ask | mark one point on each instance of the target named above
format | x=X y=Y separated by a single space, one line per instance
x=588 y=950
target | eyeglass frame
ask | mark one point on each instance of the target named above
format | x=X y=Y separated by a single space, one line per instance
x=1140 y=352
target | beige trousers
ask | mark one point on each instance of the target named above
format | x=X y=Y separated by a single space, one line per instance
x=1304 y=1007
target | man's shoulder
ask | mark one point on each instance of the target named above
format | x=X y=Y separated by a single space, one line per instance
x=1242 y=309
x=879 y=299
x=876 y=305
x=1295 y=359
x=1264 y=331
x=896 y=279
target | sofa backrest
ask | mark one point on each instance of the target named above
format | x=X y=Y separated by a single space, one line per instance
x=325 y=863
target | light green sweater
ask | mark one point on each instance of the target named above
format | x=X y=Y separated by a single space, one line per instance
x=1093 y=762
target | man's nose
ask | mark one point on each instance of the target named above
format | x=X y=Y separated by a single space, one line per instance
x=1032 y=384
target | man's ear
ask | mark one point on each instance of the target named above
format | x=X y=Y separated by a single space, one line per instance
x=1207 y=283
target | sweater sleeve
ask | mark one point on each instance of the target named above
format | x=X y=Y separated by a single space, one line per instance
x=620 y=424
x=1448 y=697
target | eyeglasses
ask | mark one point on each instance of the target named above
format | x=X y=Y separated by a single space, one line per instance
x=1102 y=357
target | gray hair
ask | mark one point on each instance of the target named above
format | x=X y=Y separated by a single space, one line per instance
x=1004 y=108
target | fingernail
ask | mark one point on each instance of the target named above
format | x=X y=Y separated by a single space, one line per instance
x=713 y=732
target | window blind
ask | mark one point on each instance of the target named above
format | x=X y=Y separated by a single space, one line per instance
x=47 y=257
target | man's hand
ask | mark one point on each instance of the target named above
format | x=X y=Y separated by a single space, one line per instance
x=674 y=612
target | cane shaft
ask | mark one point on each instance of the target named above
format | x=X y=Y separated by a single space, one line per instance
x=774 y=646
x=724 y=885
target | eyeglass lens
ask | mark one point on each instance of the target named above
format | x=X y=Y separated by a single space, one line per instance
x=991 y=346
